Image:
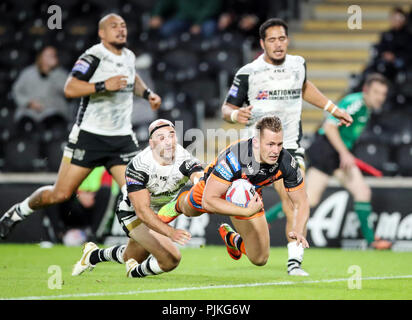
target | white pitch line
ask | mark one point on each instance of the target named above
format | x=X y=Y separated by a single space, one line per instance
x=227 y=286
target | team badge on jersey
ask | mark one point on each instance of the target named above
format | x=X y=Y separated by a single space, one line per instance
x=233 y=91
x=81 y=66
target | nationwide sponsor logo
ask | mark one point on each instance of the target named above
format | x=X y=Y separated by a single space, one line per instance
x=262 y=95
x=279 y=94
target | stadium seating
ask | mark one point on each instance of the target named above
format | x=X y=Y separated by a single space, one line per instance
x=404 y=159
x=22 y=155
x=374 y=153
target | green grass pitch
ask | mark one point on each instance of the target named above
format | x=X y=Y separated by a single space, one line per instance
x=29 y=272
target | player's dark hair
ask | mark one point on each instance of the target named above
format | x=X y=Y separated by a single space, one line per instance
x=272 y=22
x=375 y=77
x=399 y=10
x=272 y=123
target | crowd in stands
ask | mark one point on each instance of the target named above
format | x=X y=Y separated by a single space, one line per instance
x=387 y=142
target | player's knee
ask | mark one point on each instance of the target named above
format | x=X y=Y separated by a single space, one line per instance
x=170 y=261
x=260 y=260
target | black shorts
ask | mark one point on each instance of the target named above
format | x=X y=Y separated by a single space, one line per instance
x=322 y=155
x=91 y=150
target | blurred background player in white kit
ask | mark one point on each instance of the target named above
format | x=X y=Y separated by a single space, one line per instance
x=275 y=84
x=153 y=178
x=105 y=79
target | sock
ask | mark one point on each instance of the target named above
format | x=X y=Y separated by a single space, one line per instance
x=24 y=209
x=274 y=212
x=114 y=254
x=234 y=239
x=295 y=255
x=148 y=267
x=363 y=210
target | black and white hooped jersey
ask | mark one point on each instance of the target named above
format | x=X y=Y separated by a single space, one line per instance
x=272 y=89
x=163 y=182
x=106 y=113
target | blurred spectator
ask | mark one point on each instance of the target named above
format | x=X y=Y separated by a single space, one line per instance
x=38 y=91
x=83 y=214
x=393 y=52
x=172 y=17
x=244 y=16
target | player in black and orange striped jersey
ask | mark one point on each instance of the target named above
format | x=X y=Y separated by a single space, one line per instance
x=261 y=160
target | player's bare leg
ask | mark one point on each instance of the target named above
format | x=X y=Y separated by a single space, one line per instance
x=295 y=253
x=165 y=256
x=69 y=178
x=255 y=236
x=353 y=180
x=135 y=251
x=118 y=174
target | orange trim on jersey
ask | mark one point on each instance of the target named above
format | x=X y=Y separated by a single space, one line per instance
x=256 y=215
x=295 y=188
x=278 y=174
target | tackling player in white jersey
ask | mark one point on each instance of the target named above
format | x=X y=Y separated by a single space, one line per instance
x=275 y=84
x=105 y=79
x=153 y=178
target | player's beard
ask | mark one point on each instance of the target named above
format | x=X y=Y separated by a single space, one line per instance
x=277 y=62
x=118 y=46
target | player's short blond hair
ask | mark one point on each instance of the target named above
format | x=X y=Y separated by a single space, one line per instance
x=271 y=123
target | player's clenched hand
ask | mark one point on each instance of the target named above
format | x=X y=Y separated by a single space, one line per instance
x=300 y=239
x=154 y=101
x=344 y=117
x=116 y=83
x=255 y=205
x=244 y=114
x=180 y=236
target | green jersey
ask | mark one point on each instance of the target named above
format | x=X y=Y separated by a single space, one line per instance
x=355 y=106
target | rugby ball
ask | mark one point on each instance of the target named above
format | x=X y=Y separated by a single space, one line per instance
x=240 y=192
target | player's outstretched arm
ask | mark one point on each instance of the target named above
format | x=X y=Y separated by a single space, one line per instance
x=141 y=203
x=312 y=95
x=212 y=201
x=75 y=88
x=233 y=114
x=196 y=176
x=300 y=201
